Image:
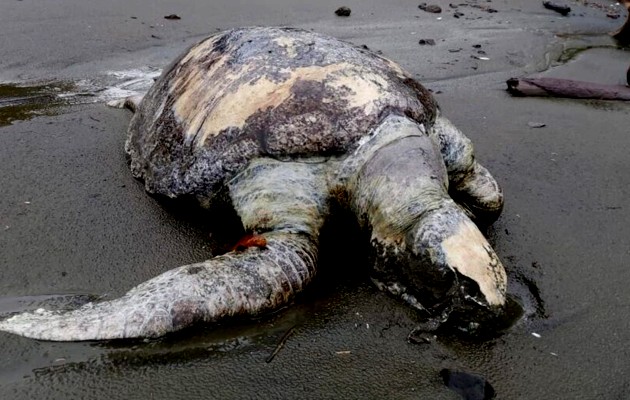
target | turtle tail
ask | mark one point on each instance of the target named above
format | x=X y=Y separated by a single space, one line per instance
x=247 y=282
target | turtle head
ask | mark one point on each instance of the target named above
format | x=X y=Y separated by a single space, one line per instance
x=446 y=268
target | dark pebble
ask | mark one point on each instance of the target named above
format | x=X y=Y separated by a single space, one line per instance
x=431 y=8
x=613 y=15
x=458 y=14
x=469 y=386
x=477 y=46
x=429 y=42
x=172 y=16
x=343 y=11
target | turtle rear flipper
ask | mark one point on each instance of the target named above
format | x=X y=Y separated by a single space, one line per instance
x=132 y=102
x=470 y=184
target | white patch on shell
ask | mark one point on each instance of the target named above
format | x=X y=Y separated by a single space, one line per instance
x=288 y=43
x=365 y=88
x=469 y=253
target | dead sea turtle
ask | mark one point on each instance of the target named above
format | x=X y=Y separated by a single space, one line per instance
x=282 y=123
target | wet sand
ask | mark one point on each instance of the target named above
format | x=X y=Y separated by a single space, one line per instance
x=72 y=220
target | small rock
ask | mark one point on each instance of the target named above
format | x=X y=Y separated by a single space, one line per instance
x=613 y=15
x=452 y=5
x=343 y=11
x=458 y=14
x=469 y=386
x=454 y=50
x=429 y=42
x=172 y=16
x=430 y=8
x=476 y=46
x=156 y=37
x=536 y=124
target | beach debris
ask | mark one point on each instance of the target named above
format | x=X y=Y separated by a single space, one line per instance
x=430 y=8
x=559 y=8
x=536 y=335
x=623 y=34
x=458 y=14
x=280 y=345
x=428 y=42
x=482 y=58
x=250 y=240
x=172 y=17
x=469 y=386
x=482 y=7
x=343 y=352
x=533 y=124
x=556 y=87
x=420 y=337
x=343 y=11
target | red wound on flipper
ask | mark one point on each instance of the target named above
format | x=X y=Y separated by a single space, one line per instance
x=250 y=240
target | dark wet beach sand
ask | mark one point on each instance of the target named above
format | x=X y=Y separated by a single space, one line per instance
x=72 y=220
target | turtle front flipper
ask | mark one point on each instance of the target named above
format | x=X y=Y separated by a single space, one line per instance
x=426 y=249
x=283 y=202
x=470 y=184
